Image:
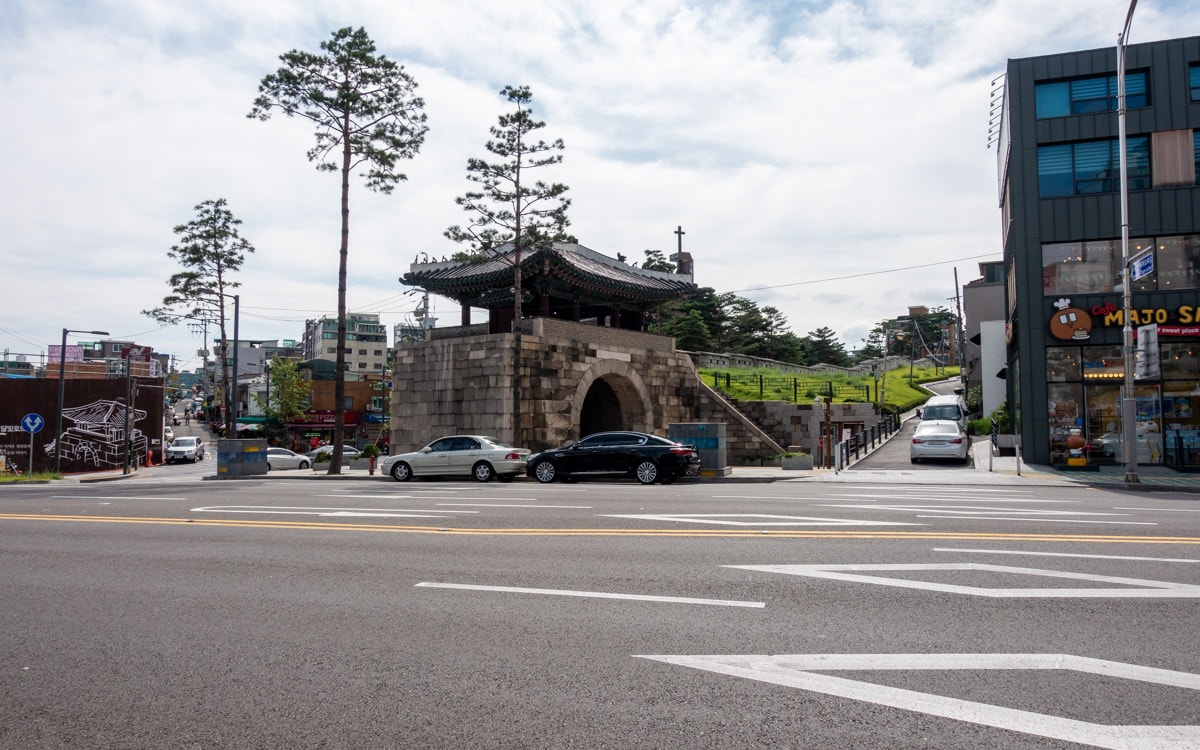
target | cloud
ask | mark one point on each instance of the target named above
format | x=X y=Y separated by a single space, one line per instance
x=803 y=147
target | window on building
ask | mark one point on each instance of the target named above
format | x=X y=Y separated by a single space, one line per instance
x=1080 y=267
x=362 y=365
x=378 y=352
x=362 y=352
x=1092 y=167
x=1088 y=95
x=1062 y=364
x=333 y=349
x=1178 y=262
x=378 y=365
x=1194 y=81
x=1196 y=152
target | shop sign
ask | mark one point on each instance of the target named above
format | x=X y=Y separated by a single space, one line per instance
x=323 y=419
x=1069 y=323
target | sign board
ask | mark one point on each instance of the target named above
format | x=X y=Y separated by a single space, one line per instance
x=136 y=352
x=1141 y=266
x=1146 y=360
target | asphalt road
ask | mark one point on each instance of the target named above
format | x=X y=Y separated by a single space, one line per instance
x=168 y=612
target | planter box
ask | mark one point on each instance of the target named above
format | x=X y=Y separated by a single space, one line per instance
x=797 y=463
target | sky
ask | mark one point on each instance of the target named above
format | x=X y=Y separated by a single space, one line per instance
x=828 y=158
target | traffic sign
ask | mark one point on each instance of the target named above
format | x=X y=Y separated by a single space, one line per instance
x=32 y=423
x=1141 y=266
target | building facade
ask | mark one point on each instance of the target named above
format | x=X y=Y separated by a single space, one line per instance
x=366 y=343
x=1059 y=187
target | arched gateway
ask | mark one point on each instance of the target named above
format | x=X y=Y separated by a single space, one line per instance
x=581 y=358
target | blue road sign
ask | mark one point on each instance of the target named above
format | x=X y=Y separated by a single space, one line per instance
x=1142 y=266
x=32 y=423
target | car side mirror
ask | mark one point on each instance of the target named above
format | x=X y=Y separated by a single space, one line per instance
x=427 y=449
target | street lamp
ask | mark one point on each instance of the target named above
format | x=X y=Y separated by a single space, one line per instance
x=62 y=375
x=1129 y=399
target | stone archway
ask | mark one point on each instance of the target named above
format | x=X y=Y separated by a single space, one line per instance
x=611 y=396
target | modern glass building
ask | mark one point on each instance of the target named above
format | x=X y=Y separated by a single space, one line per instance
x=1059 y=188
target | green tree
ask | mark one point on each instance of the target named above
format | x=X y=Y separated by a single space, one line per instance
x=210 y=250
x=290 y=393
x=512 y=208
x=827 y=348
x=656 y=261
x=691 y=334
x=366 y=112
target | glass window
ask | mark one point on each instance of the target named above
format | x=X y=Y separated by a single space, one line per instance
x=1080 y=267
x=444 y=444
x=1065 y=404
x=1062 y=364
x=1178 y=262
x=1196 y=151
x=1180 y=361
x=1102 y=363
x=1092 y=167
x=1089 y=95
x=1194 y=82
x=1053 y=99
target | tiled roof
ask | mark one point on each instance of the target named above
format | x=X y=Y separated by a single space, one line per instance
x=571 y=265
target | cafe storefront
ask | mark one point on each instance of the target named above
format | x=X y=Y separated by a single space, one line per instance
x=1084 y=366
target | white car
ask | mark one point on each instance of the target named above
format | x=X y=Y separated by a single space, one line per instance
x=940 y=439
x=475 y=456
x=282 y=458
x=186 y=448
x=348 y=452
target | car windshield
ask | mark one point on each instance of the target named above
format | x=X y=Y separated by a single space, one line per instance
x=185 y=442
x=947 y=411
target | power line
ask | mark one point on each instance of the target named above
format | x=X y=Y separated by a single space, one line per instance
x=865 y=273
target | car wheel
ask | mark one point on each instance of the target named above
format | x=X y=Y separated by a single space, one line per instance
x=401 y=472
x=483 y=472
x=545 y=472
x=303 y=465
x=646 y=472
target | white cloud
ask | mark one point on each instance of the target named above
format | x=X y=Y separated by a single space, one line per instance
x=803 y=147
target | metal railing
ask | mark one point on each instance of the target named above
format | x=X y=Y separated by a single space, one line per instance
x=792 y=389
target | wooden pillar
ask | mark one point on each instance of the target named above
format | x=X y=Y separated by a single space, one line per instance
x=466 y=315
x=544 y=306
x=575 y=310
x=616 y=317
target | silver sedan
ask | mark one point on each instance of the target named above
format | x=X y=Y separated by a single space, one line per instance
x=282 y=458
x=477 y=456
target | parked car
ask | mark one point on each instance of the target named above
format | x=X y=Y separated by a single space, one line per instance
x=475 y=456
x=185 y=448
x=348 y=452
x=647 y=458
x=282 y=458
x=940 y=439
x=945 y=408
x=1109 y=445
x=168 y=434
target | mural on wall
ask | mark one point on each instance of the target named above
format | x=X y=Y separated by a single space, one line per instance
x=93 y=422
x=97 y=438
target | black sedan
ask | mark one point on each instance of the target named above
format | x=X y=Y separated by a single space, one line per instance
x=647 y=458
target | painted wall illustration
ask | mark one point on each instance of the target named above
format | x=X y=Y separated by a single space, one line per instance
x=93 y=422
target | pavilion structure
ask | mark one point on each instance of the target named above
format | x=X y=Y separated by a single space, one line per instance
x=566 y=281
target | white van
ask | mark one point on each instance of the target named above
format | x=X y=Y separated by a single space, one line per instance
x=945 y=409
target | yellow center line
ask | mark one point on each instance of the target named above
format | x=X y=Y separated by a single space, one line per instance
x=607 y=532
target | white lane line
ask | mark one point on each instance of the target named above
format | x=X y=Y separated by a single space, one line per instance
x=757 y=519
x=497 y=505
x=327 y=512
x=117 y=497
x=594 y=595
x=1141 y=588
x=1164 y=510
x=1043 y=520
x=1065 y=554
x=966 y=510
x=804 y=672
